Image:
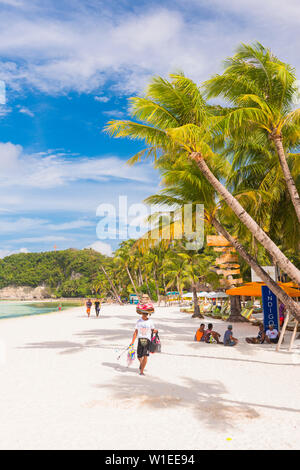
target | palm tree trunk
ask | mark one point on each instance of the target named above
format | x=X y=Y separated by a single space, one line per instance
x=247 y=220
x=235 y=309
x=148 y=288
x=277 y=139
x=156 y=286
x=131 y=280
x=292 y=306
x=141 y=281
x=196 y=304
x=117 y=297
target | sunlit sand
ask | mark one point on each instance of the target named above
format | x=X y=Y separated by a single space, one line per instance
x=62 y=386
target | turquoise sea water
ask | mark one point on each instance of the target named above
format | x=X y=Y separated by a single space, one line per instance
x=22 y=309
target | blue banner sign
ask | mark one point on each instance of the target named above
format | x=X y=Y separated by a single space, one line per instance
x=270 y=308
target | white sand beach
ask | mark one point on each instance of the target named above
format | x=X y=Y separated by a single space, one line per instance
x=62 y=386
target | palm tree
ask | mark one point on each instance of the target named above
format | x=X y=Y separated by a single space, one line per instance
x=176 y=119
x=262 y=90
x=185 y=184
x=124 y=257
x=175 y=270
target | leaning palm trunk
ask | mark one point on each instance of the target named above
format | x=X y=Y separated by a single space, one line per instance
x=156 y=287
x=287 y=174
x=132 y=282
x=292 y=306
x=117 y=297
x=148 y=288
x=247 y=220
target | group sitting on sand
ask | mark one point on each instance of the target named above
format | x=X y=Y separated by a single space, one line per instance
x=271 y=335
x=208 y=335
x=212 y=336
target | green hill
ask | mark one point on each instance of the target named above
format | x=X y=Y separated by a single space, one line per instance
x=68 y=273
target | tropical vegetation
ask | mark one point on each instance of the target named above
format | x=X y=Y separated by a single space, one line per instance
x=246 y=154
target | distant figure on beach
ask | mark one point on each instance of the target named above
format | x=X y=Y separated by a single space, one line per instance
x=229 y=340
x=143 y=331
x=199 y=336
x=272 y=335
x=210 y=335
x=88 y=307
x=260 y=338
x=97 y=307
x=59 y=307
x=281 y=314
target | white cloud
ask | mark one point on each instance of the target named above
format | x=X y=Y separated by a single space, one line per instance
x=73 y=225
x=20 y=225
x=4 y=253
x=81 y=50
x=4 y=110
x=23 y=225
x=27 y=111
x=101 y=99
x=115 y=113
x=12 y=3
x=42 y=239
x=54 y=170
x=101 y=247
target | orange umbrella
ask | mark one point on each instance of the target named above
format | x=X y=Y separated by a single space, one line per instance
x=253 y=289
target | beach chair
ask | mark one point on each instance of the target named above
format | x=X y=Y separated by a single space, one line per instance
x=224 y=307
x=247 y=313
x=216 y=313
x=226 y=313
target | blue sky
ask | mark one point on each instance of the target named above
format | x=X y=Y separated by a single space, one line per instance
x=69 y=66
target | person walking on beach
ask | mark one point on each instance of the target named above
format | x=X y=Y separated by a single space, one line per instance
x=88 y=307
x=143 y=331
x=97 y=307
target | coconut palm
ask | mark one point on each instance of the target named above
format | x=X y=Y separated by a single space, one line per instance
x=257 y=180
x=176 y=119
x=124 y=257
x=262 y=90
x=185 y=184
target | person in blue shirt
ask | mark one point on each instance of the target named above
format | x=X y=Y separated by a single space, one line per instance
x=229 y=340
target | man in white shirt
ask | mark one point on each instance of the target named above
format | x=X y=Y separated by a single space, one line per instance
x=143 y=331
x=272 y=335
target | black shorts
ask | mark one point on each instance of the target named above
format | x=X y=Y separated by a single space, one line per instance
x=143 y=347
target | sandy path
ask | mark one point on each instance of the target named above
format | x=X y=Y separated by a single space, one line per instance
x=63 y=388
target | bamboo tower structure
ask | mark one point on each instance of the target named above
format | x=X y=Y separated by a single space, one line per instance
x=227 y=264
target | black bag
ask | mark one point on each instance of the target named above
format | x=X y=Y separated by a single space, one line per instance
x=155 y=345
